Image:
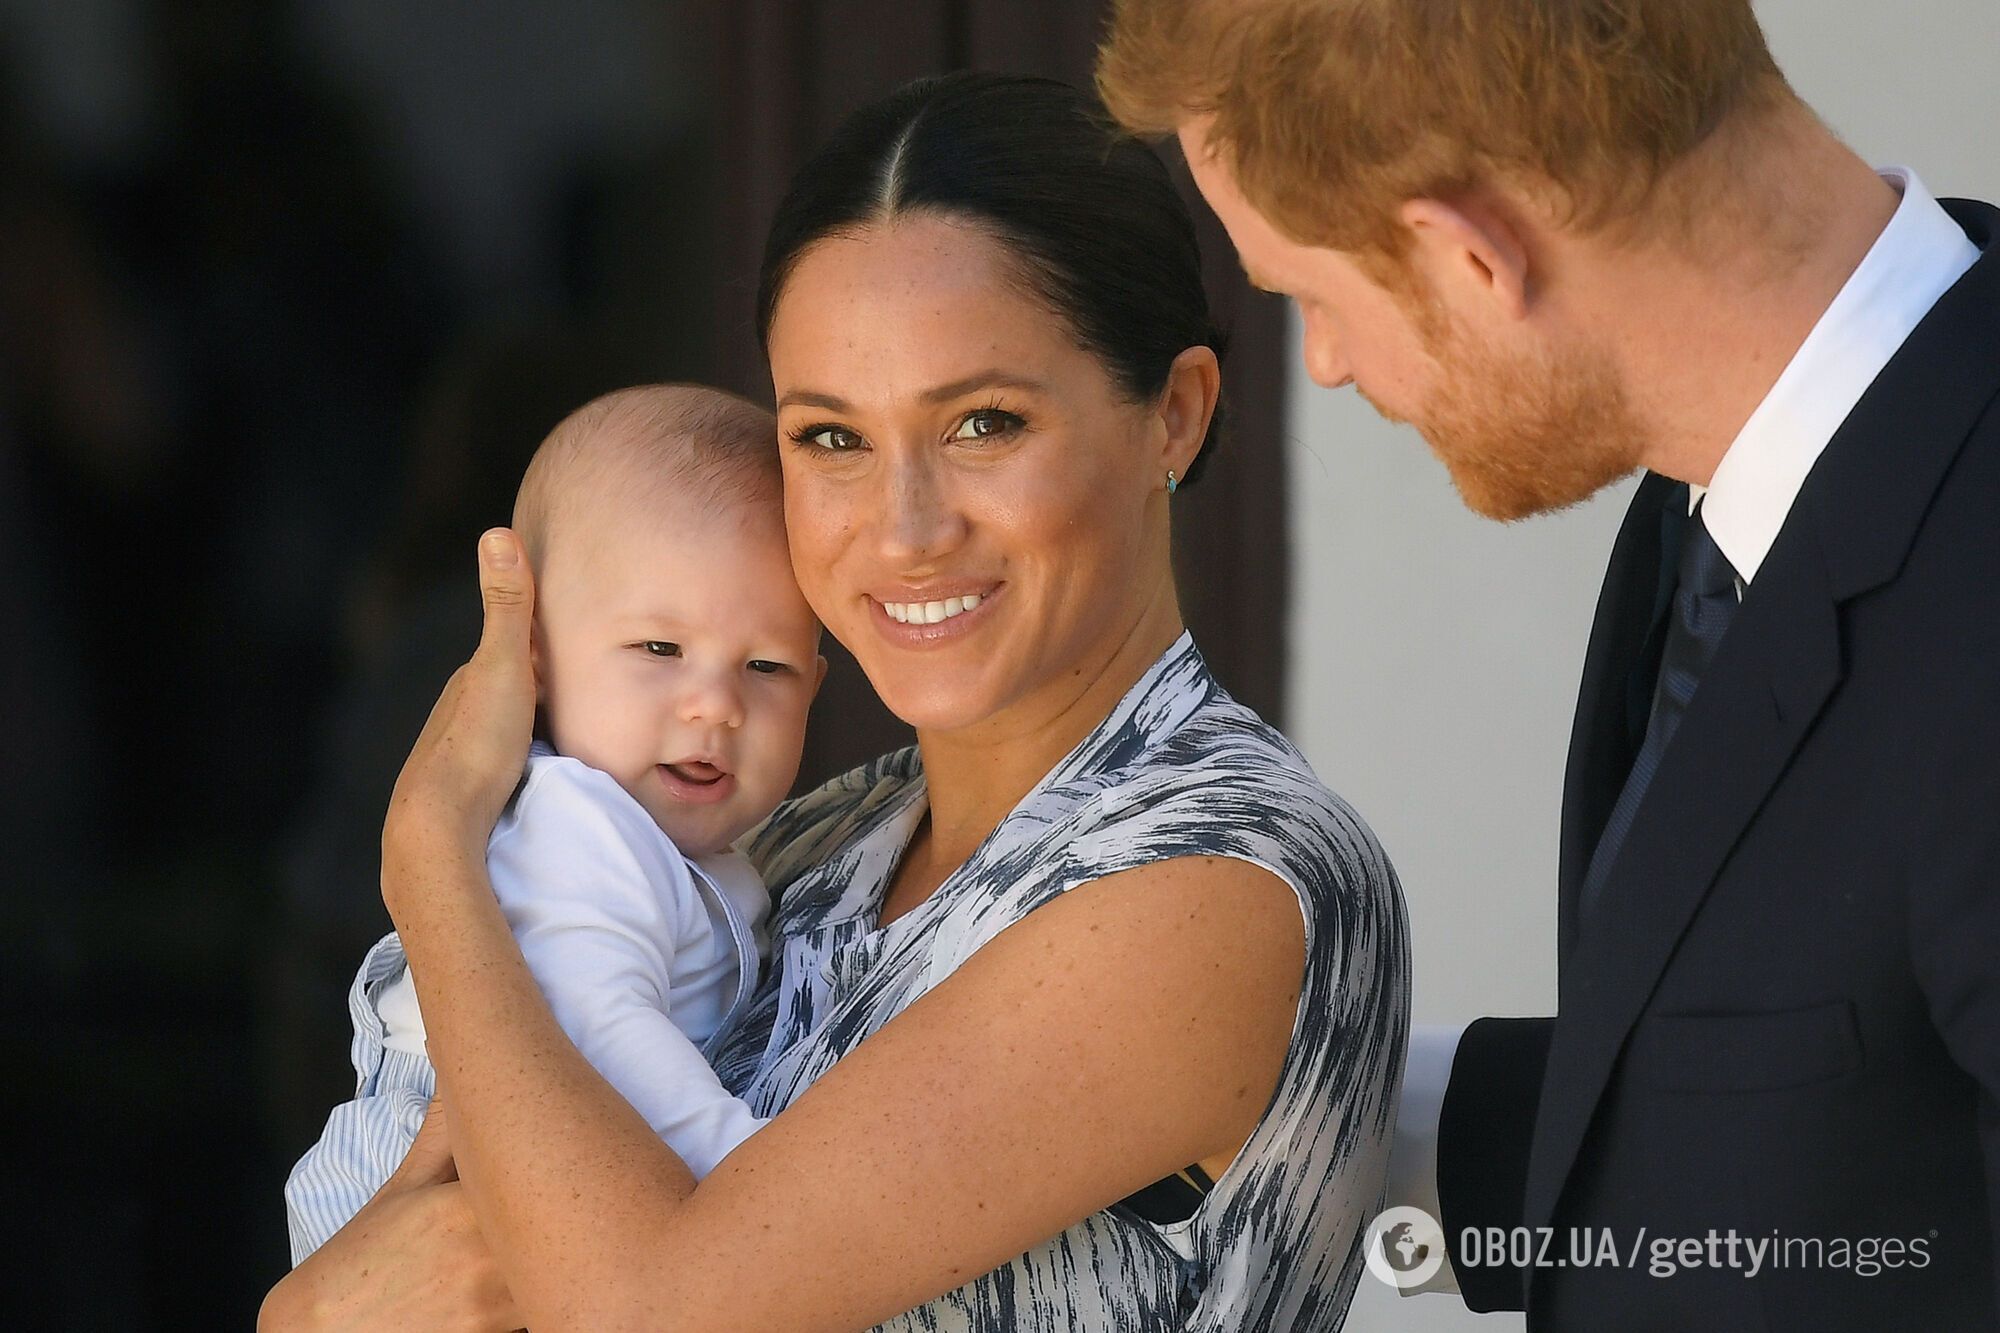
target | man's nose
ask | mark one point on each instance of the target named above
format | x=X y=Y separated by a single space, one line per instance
x=1326 y=362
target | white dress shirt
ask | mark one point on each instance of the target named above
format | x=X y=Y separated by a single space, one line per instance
x=1920 y=254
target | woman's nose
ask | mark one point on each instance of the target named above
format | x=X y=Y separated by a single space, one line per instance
x=919 y=518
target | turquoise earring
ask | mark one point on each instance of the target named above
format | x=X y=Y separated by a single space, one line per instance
x=1173 y=482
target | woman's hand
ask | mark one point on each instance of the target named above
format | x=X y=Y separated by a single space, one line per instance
x=412 y=1258
x=475 y=745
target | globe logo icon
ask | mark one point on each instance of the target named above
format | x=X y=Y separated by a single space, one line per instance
x=1404 y=1247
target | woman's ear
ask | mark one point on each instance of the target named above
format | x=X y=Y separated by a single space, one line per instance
x=1187 y=405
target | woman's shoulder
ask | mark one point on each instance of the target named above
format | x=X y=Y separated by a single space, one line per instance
x=802 y=830
x=1227 y=780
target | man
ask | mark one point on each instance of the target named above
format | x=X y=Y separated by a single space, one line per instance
x=1571 y=241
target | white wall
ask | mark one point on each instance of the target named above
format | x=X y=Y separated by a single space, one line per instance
x=1435 y=656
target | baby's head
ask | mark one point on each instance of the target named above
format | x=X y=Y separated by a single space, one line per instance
x=673 y=648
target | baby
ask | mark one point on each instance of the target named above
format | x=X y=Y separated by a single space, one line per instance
x=676 y=661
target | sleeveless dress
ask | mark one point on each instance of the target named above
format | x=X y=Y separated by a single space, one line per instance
x=1177 y=769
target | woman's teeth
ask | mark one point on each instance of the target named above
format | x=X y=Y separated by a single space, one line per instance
x=930 y=613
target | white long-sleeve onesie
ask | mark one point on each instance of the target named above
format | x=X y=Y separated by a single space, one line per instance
x=645 y=957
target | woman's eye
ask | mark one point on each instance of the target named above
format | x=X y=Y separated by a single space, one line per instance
x=764 y=668
x=987 y=423
x=661 y=648
x=833 y=439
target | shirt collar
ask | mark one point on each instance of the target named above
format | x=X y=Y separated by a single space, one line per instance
x=1915 y=260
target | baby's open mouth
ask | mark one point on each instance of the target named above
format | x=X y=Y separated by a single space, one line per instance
x=696 y=771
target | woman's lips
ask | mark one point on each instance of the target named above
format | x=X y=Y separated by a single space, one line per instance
x=696 y=782
x=911 y=634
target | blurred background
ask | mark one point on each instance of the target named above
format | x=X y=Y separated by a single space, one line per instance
x=290 y=289
x=288 y=294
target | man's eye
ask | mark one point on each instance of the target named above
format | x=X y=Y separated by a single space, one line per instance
x=833 y=439
x=986 y=424
x=661 y=648
x=767 y=668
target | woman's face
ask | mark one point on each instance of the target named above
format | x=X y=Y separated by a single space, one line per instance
x=975 y=507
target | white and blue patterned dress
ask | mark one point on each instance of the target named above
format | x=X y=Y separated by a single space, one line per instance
x=1177 y=769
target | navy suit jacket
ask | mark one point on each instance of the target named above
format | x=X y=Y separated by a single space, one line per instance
x=1782 y=1015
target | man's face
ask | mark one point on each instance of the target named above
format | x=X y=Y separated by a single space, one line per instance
x=1522 y=422
x=1356 y=331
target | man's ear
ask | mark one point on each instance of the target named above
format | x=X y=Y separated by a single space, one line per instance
x=819 y=674
x=1187 y=405
x=1471 y=254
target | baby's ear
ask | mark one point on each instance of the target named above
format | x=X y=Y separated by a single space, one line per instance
x=535 y=662
x=819 y=674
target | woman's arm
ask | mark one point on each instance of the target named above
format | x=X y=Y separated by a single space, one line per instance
x=601 y=905
x=1073 y=1060
x=1134 y=1025
x=371 y=1276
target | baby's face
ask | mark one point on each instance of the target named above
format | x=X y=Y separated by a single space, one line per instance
x=676 y=653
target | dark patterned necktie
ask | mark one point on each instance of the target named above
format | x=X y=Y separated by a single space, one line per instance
x=1704 y=603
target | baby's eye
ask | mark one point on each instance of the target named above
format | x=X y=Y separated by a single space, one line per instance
x=987 y=423
x=661 y=648
x=768 y=668
x=833 y=439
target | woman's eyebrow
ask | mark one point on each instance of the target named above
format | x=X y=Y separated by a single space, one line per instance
x=809 y=398
x=958 y=388
x=985 y=379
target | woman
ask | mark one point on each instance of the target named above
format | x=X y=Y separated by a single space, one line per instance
x=1085 y=1013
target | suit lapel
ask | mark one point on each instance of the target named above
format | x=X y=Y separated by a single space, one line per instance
x=1773 y=672
x=1618 y=668
x=1849 y=531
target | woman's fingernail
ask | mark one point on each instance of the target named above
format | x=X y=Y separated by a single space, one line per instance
x=496 y=550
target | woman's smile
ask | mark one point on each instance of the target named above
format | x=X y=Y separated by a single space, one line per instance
x=922 y=622
x=921 y=612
